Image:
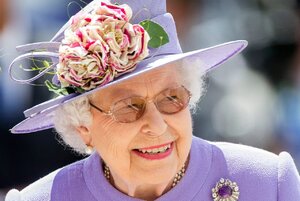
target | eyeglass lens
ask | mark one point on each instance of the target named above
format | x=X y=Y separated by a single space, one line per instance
x=169 y=101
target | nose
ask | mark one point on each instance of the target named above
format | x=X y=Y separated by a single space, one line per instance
x=154 y=124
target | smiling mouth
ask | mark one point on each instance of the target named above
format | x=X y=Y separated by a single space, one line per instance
x=162 y=149
x=155 y=152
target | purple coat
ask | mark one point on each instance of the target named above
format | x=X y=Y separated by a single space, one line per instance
x=260 y=176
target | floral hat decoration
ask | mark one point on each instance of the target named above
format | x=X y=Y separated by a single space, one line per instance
x=103 y=44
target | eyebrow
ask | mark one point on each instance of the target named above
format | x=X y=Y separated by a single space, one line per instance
x=122 y=91
x=119 y=93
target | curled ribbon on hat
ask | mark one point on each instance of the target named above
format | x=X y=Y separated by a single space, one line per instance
x=51 y=52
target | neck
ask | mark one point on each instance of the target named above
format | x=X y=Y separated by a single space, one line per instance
x=141 y=191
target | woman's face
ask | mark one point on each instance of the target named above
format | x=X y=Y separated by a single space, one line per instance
x=117 y=143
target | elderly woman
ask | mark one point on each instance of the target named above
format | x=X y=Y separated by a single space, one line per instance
x=127 y=92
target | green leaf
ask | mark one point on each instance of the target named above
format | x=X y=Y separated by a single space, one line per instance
x=158 y=35
x=56 y=89
x=46 y=63
x=79 y=90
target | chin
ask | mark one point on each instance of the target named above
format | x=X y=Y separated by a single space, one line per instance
x=158 y=176
x=156 y=173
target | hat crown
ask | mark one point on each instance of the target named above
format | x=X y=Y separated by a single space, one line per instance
x=141 y=10
x=144 y=9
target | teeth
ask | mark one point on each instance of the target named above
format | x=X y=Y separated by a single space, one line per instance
x=155 y=150
x=161 y=149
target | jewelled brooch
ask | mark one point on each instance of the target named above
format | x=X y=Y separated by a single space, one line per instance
x=225 y=190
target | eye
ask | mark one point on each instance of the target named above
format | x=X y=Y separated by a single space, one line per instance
x=135 y=106
x=172 y=97
x=129 y=110
x=172 y=100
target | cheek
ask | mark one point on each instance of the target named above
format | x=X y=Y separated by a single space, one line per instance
x=181 y=125
x=112 y=140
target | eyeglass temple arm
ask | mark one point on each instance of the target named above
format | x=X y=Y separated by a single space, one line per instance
x=94 y=106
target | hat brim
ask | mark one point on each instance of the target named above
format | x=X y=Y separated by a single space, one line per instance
x=40 y=117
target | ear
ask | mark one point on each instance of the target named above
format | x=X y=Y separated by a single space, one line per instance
x=85 y=134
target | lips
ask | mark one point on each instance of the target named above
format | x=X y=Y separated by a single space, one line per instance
x=155 y=152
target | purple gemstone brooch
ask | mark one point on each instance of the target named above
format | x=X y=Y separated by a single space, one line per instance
x=225 y=190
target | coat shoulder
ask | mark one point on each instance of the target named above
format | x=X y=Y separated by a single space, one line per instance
x=254 y=166
x=244 y=157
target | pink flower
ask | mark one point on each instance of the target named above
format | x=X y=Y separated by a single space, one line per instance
x=99 y=46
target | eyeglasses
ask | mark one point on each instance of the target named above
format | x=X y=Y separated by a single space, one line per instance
x=168 y=101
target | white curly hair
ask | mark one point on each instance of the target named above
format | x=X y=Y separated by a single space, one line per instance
x=77 y=113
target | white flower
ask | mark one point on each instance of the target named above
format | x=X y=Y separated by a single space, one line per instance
x=99 y=46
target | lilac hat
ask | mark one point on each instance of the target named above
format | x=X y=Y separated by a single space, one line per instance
x=104 y=44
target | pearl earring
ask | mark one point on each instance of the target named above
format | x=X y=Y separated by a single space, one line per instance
x=89 y=149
